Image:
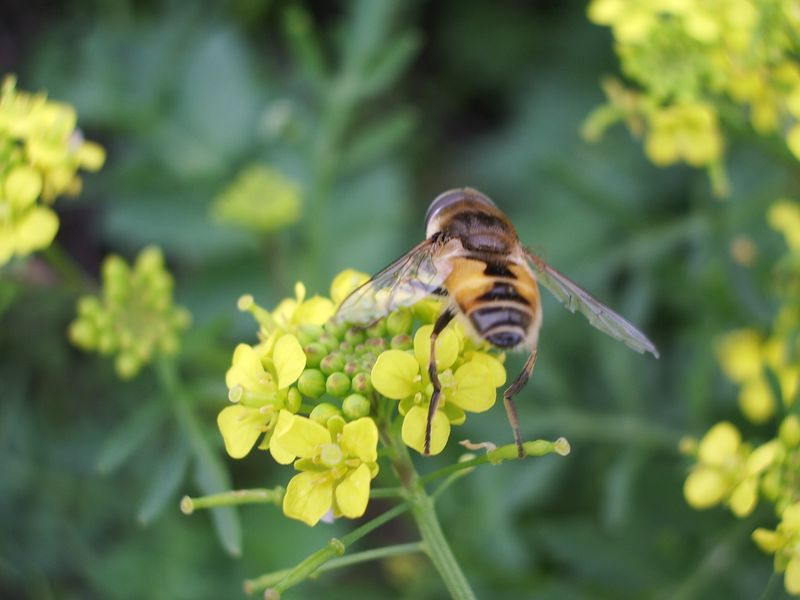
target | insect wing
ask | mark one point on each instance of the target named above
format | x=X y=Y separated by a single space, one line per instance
x=411 y=278
x=574 y=297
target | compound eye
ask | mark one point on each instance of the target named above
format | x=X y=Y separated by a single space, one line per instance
x=450 y=197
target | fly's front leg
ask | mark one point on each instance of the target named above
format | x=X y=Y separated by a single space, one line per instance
x=438 y=327
x=512 y=391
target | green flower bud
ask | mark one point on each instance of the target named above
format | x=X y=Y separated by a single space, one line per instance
x=355 y=335
x=402 y=341
x=378 y=330
x=335 y=330
x=322 y=412
x=127 y=365
x=311 y=383
x=83 y=334
x=376 y=345
x=329 y=341
x=308 y=333
x=337 y=384
x=789 y=431
x=355 y=406
x=399 y=321
x=293 y=400
x=335 y=425
x=362 y=383
x=332 y=363
x=346 y=348
x=314 y=354
x=351 y=368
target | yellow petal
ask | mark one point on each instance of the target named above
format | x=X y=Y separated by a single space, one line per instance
x=246 y=368
x=744 y=497
x=309 y=496
x=475 y=390
x=447 y=348
x=302 y=436
x=739 y=354
x=704 y=488
x=352 y=493
x=762 y=457
x=276 y=449
x=22 y=186
x=719 y=444
x=792 y=577
x=360 y=439
x=345 y=283
x=36 y=230
x=413 y=431
x=290 y=360
x=756 y=400
x=240 y=426
x=768 y=540
x=496 y=368
x=394 y=374
x=316 y=311
x=790 y=519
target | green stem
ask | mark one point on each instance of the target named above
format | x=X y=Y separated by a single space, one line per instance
x=435 y=543
x=334 y=548
x=233 y=497
x=72 y=275
x=265 y=581
x=498 y=455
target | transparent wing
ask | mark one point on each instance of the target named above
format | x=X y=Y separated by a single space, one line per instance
x=411 y=278
x=574 y=297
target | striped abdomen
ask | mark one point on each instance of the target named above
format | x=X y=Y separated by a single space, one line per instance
x=501 y=300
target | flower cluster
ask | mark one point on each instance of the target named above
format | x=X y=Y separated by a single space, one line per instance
x=314 y=393
x=689 y=57
x=259 y=199
x=134 y=317
x=40 y=153
x=766 y=368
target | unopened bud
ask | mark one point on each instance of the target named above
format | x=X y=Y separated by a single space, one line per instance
x=337 y=384
x=311 y=383
x=355 y=406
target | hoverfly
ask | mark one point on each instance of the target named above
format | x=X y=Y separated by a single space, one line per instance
x=472 y=257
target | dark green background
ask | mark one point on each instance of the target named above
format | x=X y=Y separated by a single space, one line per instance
x=493 y=97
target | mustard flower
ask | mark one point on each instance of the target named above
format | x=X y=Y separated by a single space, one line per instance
x=469 y=386
x=784 y=543
x=784 y=216
x=259 y=383
x=25 y=226
x=260 y=199
x=336 y=466
x=134 y=317
x=727 y=471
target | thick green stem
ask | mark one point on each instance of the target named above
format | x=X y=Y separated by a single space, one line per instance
x=433 y=539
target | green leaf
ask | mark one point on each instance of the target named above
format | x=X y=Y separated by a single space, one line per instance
x=165 y=483
x=391 y=64
x=212 y=478
x=379 y=139
x=129 y=436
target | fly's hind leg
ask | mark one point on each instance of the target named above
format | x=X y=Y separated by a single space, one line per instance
x=438 y=327
x=508 y=401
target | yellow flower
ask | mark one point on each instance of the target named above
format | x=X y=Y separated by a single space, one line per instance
x=727 y=470
x=259 y=386
x=688 y=132
x=25 y=226
x=470 y=386
x=260 y=199
x=784 y=543
x=335 y=468
x=346 y=282
x=784 y=216
x=292 y=312
x=740 y=354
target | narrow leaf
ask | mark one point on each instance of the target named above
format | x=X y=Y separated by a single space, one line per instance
x=165 y=483
x=130 y=435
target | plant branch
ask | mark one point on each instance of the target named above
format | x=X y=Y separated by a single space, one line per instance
x=233 y=497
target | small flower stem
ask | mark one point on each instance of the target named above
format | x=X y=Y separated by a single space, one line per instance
x=252 y=496
x=389 y=492
x=498 y=455
x=72 y=275
x=265 y=581
x=333 y=549
x=435 y=543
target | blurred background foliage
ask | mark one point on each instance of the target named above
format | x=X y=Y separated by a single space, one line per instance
x=356 y=114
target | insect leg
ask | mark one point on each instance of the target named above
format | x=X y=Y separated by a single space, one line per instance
x=438 y=327
x=512 y=391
